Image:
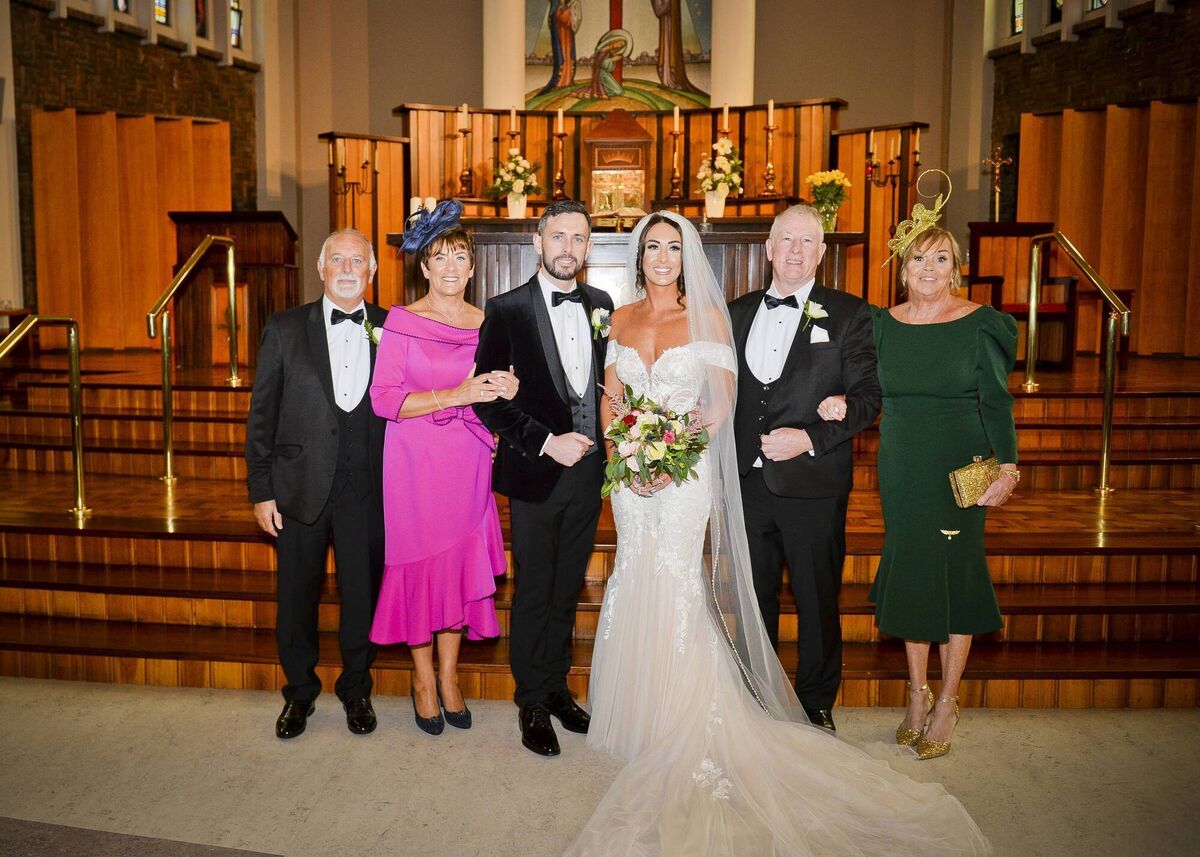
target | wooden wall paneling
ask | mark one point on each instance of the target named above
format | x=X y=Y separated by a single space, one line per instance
x=1162 y=301
x=1080 y=201
x=105 y=313
x=212 y=174
x=1122 y=227
x=1039 y=160
x=1191 y=346
x=137 y=194
x=175 y=183
x=56 y=223
x=393 y=209
x=452 y=155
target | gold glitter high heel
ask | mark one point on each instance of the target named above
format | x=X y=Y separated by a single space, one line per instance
x=927 y=749
x=906 y=737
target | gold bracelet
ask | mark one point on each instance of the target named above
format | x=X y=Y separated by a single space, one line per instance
x=1015 y=474
x=435 y=400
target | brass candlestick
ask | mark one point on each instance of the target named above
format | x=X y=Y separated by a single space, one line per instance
x=996 y=163
x=363 y=185
x=560 y=181
x=769 y=175
x=513 y=136
x=676 y=177
x=465 y=179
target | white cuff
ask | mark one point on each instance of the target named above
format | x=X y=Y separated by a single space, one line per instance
x=545 y=443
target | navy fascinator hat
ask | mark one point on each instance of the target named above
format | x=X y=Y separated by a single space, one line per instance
x=424 y=226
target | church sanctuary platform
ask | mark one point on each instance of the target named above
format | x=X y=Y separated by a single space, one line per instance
x=174 y=585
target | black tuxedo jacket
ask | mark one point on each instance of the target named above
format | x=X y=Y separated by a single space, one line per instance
x=516 y=332
x=292 y=432
x=845 y=365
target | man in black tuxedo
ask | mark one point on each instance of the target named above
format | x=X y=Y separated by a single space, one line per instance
x=314 y=455
x=798 y=343
x=550 y=463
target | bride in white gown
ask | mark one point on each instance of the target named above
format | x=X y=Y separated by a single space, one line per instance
x=684 y=685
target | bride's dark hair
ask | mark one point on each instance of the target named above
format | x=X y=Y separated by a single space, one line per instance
x=640 y=280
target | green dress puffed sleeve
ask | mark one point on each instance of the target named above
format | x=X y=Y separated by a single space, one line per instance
x=996 y=351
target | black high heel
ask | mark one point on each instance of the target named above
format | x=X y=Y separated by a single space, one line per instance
x=457 y=719
x=432 y=725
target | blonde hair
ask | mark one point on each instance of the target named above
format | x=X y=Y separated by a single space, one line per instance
x=924 y=241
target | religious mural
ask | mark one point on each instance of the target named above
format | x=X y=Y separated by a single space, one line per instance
x=597 y=55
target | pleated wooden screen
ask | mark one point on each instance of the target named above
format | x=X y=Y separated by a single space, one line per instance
x=1122 y=183
x=876 y=210
x=102 y=186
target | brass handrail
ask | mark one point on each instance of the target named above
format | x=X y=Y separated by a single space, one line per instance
x=1118 y=313
x=75 y=384
x=161 y=308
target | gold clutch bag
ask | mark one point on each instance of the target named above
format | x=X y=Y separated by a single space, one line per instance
x=969 y=483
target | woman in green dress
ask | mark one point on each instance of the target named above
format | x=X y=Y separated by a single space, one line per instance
x=943 y=367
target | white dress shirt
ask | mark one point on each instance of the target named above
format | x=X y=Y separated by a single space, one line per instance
x=572 y=336
x=349 y=356
x=771 y=336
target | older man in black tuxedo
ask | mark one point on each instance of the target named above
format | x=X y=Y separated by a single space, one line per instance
x=799 y=343
x=314 y=453
x=550 y=463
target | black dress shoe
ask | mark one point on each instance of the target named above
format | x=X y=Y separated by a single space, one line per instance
x=821 y=717
x=571 y=716
x=457 y=719
x=293 y=718
x=360 y=716
x=433 y=725
x=537 y=732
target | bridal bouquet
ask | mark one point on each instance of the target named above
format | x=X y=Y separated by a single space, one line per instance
x=651 y=440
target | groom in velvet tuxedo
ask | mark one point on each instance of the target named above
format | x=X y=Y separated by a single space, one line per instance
x=798 y=343
x=550 y=460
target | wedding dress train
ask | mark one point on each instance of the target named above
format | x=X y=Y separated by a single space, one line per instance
x=709 y=771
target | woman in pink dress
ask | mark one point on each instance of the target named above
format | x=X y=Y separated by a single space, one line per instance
x=444 y=547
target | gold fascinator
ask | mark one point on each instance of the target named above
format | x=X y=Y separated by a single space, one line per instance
x=922 y=219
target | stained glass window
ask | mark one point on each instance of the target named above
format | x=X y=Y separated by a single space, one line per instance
x=162 y=12
x=202 y=19
x=235 y=23
x=121 y=6
x=1056 y=12
x=1018 y=16
x=1093 y=5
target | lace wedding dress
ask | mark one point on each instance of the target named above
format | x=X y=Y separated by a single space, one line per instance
x=709 y=771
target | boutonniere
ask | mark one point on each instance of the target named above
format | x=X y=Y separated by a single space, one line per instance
x=813 y=311
x=372 y=332
x=600 y=323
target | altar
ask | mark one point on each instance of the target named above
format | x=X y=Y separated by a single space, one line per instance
x=736 y=249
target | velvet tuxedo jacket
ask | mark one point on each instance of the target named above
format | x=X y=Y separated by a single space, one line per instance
x=292 y=433
x=517 y=332
x=844 y=365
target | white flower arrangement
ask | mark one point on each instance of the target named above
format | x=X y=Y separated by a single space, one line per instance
x=723 y=172
x=516 y=175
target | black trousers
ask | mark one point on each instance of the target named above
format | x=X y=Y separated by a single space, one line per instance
x=356 y=525
x=809 y=534
x=551 y=544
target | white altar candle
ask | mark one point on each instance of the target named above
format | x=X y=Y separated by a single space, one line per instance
x=871 y=142
x=725 y=117
x=917 y=141
x=771 y=112
x=676 y=118
x=464 y=120
x=512 y=118
x=559 y=126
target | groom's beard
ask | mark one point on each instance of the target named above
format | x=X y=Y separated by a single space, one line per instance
x=564 y=267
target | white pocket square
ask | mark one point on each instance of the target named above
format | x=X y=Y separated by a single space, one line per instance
x=819 y=334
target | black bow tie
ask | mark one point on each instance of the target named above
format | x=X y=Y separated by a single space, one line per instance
x=573 y=295
x=336 y=316
x=771 y=301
